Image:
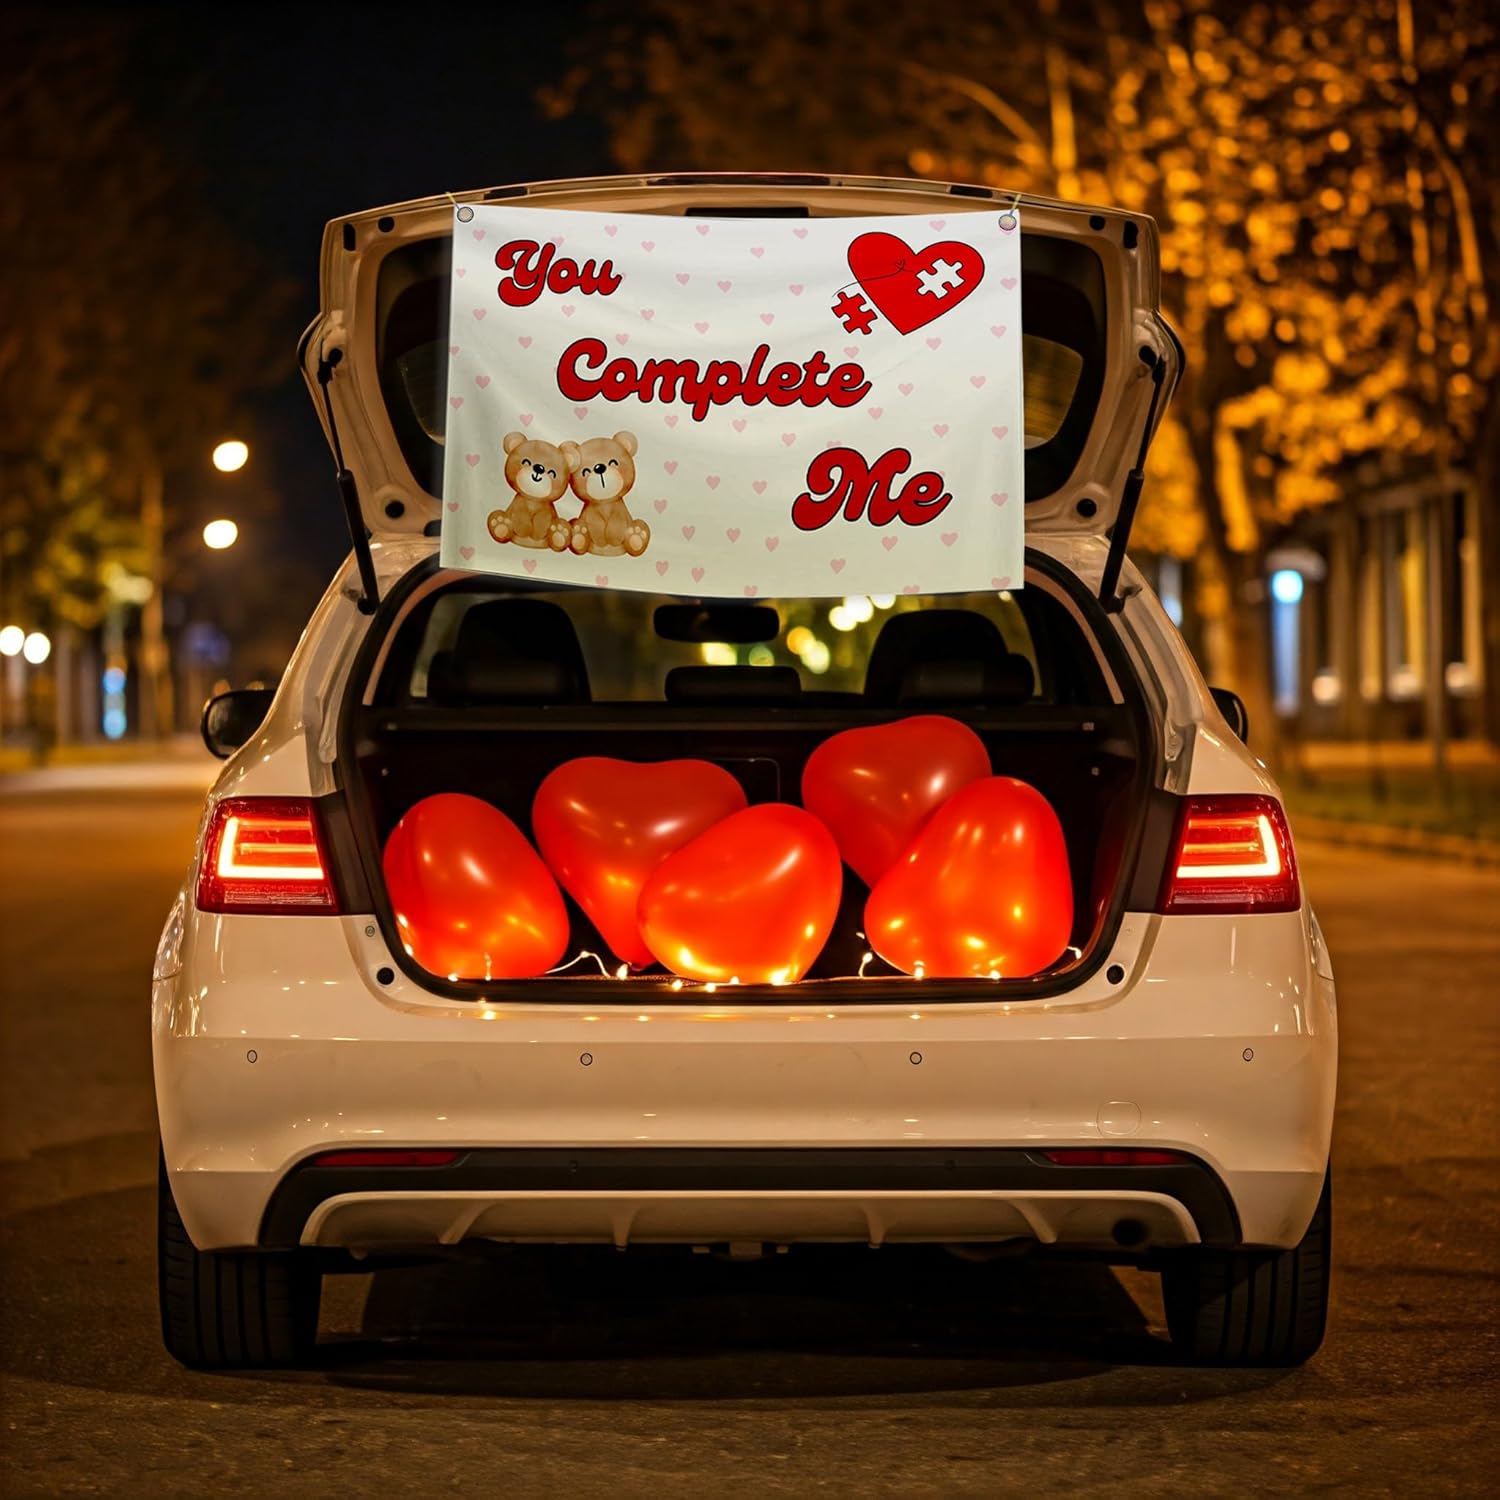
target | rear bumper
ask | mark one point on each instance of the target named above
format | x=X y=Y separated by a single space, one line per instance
x=1220 y=1047
x=622 y=1195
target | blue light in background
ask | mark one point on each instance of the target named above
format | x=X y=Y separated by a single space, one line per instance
x=1286 y=639
x=1169 y=588
x=1286 y=586
x=113 y=719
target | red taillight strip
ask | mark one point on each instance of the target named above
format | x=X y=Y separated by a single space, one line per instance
x=1232 y=854
x=264 y=856
x=388 y=1157
x=1116 y=1156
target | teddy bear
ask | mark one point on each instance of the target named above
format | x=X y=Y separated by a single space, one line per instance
x=538 y=473
x=603 y=470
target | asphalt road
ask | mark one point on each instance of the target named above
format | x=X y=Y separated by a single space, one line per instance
x=888 y=1372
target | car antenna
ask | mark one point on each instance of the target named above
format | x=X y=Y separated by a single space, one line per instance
x=1109 y=591
x=369 y=585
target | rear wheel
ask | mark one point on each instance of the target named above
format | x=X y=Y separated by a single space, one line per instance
x=231 y=1310
x=1252 y=1307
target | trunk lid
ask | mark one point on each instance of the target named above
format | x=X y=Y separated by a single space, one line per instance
x=375 y=357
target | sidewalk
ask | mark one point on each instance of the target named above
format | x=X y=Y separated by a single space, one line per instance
x=1388 y=838
x=182 y=762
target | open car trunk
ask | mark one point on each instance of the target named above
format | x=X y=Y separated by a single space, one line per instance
x=485 y=686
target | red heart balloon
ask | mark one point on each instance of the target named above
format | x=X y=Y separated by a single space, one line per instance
x=983 y=890
x=472 y=899
x=876 y=787
x=604 y=825
x=753 y=899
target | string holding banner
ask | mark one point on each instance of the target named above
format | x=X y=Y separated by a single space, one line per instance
x=672 y=405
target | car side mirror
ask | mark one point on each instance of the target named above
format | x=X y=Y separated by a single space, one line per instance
x=229 y=719
x=1232 y=706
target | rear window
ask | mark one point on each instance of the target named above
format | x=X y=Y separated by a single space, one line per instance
x=485 y=642
x=1062 y=309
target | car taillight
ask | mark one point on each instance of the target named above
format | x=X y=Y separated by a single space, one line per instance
x=1233 y=853
x=264 y=855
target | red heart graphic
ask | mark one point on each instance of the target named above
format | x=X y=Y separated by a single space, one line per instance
x=912 y=287
x=875 y=788
x=604 y=826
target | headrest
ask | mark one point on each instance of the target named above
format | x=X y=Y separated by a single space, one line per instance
x=1010 y=680
x=511 y=651
x=733 y=685
x=945 y=655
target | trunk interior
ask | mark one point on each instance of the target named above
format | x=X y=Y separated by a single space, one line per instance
x=478 y=688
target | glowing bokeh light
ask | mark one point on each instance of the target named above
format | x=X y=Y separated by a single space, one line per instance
x=231 y=455
x=220 y=534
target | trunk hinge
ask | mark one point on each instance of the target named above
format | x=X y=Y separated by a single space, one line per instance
x=1109 y=593
x=369 y=585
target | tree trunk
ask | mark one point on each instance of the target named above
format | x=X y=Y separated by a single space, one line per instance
x=1245 y=630
x=156 y=674
x=1486 y=480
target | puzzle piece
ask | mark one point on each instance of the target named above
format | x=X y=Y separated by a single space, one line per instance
x=851 y=310
x=940 y=279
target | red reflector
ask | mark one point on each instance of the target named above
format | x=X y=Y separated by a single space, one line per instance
x=378 y=1158
x=264 y=855
x=1115 y=1156
x=1233 y=853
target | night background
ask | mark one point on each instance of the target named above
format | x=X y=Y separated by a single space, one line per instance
x=1319 y=517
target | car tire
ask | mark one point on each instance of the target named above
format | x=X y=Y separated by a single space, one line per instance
x=231 y=1310
x=1252 y=1307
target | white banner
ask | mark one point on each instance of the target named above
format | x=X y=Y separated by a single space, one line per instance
x=736 y=407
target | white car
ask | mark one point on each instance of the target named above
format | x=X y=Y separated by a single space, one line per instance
x=1162 y=1095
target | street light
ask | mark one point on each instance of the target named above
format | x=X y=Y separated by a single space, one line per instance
x=11 y=639
x=231 y=455
x=1286 y=586
x=36 y=648
x=220 y=534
